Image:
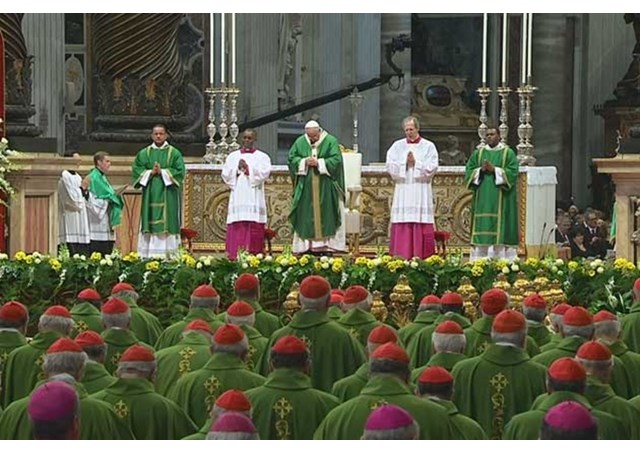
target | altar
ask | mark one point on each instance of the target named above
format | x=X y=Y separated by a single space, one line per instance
x=206 y=199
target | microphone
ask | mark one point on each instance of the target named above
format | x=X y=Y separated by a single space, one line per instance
x=548 y=240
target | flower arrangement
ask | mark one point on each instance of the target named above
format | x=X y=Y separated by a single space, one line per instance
x=6 y=167
x=165 y=285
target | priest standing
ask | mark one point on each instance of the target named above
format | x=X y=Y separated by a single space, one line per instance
x=412 y=162
x=492 y=174
x=245 y=171
x=159 y=170
x=317 y=208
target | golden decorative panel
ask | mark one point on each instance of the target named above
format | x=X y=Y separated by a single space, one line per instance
x=206 y=198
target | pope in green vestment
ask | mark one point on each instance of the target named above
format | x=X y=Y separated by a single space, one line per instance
x=197 y=391
x=492 y=174
x=190 y=354
x=494 y=386
x=173 y=334
x=23 y=368
x=287 y=407
x=318 y=191
x=526 y=426
x=346 y=422
x=150 y=415
x=160 y=210
x=97 y=420
x=334 y=352
x=96 y=377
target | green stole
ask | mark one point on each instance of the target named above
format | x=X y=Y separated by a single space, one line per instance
x=102 y=189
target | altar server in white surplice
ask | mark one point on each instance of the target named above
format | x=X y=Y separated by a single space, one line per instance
x=73 y=223
x=412 y=162
x=245 y=172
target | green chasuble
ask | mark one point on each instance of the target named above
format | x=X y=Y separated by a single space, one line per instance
x=539 y=332
x=160 y=210
x=602 y=397
x=631 y=364
x=359 y=323
x=315 y=205
x=420 y=349
x=188 y=355
x=102 y=189
x=446 y=360
x=286 y=407
x=423 y=319
x=554 y=339
x=334 y=312
x=145 y=325
x=257 y=347
x=494 y=217
x=631 y=328
x=346 y=422
x=351 y=386
x=150 y=415
x=96 y=377
x=526 y=426
x=86 y=317
x=97 y=420
x=567 y=347
x=196 y=392
x=117 y=340
x=23 y=368
x=334 y=352
x=462 y=427
x=173 y=334
x=479 y=337
x=10 y=339
x=496 y=385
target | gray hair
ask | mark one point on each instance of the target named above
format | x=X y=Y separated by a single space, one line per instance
x=319 y=304
x=409 y=432
x=215 y=435
x=412 y=119
x=534 y=314
x=607 y=331
x=365 y=305
x=448 y=342
x=136 y=369
x=204 y=302
x=239 y=349
x=513 y=338
x=96 y=352
x=72 y=363
x=241 y=320
x=120 y=320
x=58 y=324
x=556 y=321
x=578 y=331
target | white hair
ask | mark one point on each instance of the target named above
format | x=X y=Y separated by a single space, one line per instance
x=534 y=314
x=126 y=294
x=447 y=342
x=62 y=377
x=409 y=432
x=249 y=320
x=135 y=369
x=578 y=331
x=240 y=348
x=607 y=331
x=216 y=435
x=205 y=302
x=120 y=320
x=599 y=368
x=72 y=363
x=513 y=338
x=319 y=304
x=430 y=307
x=58 y=324
x=365 y=305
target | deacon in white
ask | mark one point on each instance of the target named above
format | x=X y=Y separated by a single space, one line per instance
x=245 y=171
x=412 y=162
x=73 y=222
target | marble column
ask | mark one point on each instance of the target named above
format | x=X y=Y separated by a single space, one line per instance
x=44 y=36
x=394 y=105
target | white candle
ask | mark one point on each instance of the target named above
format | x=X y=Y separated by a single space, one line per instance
x=223 y=38
x=233 y=48
x=525 y=34
x=485 y=22
x=504 y=49
x=211 y=47
x=529 y=43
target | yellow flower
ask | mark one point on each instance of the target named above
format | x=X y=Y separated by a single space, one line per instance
x=20 y=256
x=386 y=258
x=336 y=267
x=434 y=260
x=572 y=265
x=362 y=261
x=317 y=265
x=532 y=261
x=477 y=271
x=55 y=264
x=96 y=256
x=371 y=264
x=293 y=260
x=28 y=259
x=152 y=266
x=591 y=273
x=254 y=262
x=189 y=261
x=304 y=260
x=131 y=257
x=279 y=260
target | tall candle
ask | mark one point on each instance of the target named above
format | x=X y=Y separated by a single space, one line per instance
x=211 y=47
x=233 y=48
x=485 y=23
x=223 y=40
x=523 y=60
x=529 y=42
x=504 y=49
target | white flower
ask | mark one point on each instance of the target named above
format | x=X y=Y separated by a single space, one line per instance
x=260 y=256
x=554 y=269
x=36 y=255
x=560 y=273
x=515 y=267
x=331 y=260
x=83 y=258
x=109 y=261
x=76 y=256
x=414 y=264
x=284 y=262
x=324 y=259
x=559 y=262
x=4 y=141
x=199 y=266
x=505 y=270
x=268 y=258
x=600 y=270
x=406 y=262
x=325 y=265
x=103 y=262
x=4 y=256
x=37 y=261
x=278 y=269
x=377 y=262
x=207 y=261
x=245 y=265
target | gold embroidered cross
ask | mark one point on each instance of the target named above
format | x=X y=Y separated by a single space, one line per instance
x=354 y=333
x=499 y=382
x=282 y=407
x=121 y=409
x=81 y=326
x=39 y=363
x=377 y=404
x=184 y=366
x=307 y=341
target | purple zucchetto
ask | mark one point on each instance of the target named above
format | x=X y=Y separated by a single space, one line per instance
x=52 y=401
x=570 y=416
x=233 y=422
x=388 y=417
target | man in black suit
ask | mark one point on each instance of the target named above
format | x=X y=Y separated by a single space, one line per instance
x=563 y=225
x=594 y=237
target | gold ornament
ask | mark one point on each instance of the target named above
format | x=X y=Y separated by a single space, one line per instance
x=378 y=308
x=291 y=305
x=470 y=297
x=502 y=282
x=555 y=294
x=401 y=302
x=541 y=284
